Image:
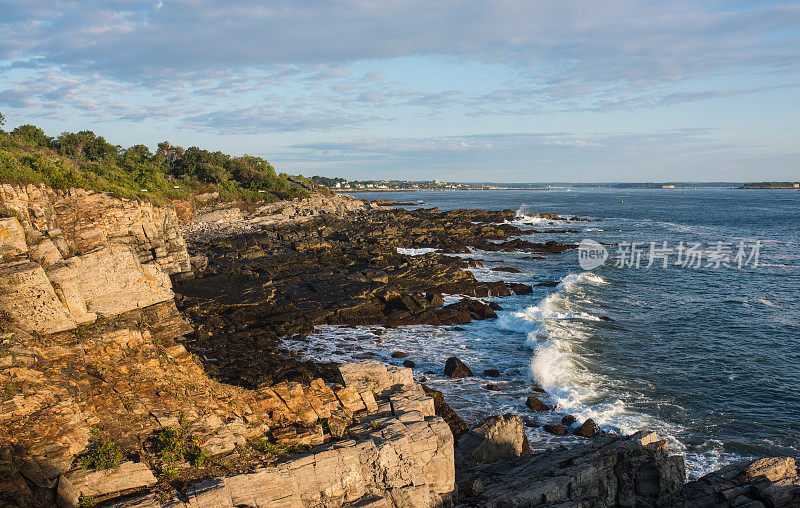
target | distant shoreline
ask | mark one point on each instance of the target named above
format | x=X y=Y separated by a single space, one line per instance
x=451 y=190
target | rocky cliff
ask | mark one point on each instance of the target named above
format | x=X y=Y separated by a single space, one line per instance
x=101 y=403
x=71 y=256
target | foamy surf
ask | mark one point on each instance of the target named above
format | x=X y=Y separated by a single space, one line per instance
x=415 y=252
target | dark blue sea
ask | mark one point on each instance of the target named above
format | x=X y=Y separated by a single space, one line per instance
x=705 y=351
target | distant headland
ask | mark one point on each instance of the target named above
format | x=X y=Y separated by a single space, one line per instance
x=770 y=185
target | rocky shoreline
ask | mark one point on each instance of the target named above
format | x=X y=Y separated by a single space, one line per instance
x=142 y=364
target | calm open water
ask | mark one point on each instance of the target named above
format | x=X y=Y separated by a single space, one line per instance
x=709 y=357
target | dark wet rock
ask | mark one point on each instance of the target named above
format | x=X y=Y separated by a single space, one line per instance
x=399 y=354
x=494 y=306
x=568 y=420
x=458 y=328
x=491 y=373
x=530 y=422
x=587 y=429
x=455 y=368
x=534 y=404
x=605 y=318
x=556 y=430
x=285 y=279
x=409 y=363
x=492 y=387
x=537 y=388
x=457 y=425
x=506 y=269
x=519 y=288
x=476 y=309
x=548 y=284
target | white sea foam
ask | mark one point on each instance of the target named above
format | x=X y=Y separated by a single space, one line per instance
x=414 y=252
x=558 y=330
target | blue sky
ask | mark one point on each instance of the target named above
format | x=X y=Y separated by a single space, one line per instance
x=515 y=91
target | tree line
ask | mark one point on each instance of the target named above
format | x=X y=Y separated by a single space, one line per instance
x=84 y=159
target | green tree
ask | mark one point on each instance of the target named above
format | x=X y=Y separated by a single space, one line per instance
x=85 y=144
x=2 y=120
x=32 y=134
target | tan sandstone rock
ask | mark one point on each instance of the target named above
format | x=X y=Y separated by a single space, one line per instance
x=28 y=297
x=111 y=280
x=120 y=478
x=495 y=438
x=374 y=376
x=12 y=238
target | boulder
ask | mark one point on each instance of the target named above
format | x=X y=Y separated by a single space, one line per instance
x=771 y=481
x=587 y=429
x=606 y=472
x=12 y=238
x=409 y=363
x=497 y=437
x=30 y=300
x=534 y=404
x=568 y=420
x=492 y=387
x=455 y=368
x=556 y=430
x=491 y=373
x=374 y=376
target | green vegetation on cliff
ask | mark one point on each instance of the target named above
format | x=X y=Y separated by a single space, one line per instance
x=84 y=159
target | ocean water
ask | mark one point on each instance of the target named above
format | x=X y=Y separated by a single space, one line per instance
x=708 y=356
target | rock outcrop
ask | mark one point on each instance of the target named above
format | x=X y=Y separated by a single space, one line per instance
x=69 y=257
x=83 y=221
x=497 y=437
x=225 y=220
x=123 y=384
x=770 y=482
x=612 y=471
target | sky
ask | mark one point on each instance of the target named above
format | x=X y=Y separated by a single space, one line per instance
x=455 y=90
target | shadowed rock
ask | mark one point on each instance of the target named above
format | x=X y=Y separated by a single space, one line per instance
x=455 y=368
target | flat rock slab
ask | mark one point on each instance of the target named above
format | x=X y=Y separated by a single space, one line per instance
x=374 y=376
x=112 y=280
x=88 y=483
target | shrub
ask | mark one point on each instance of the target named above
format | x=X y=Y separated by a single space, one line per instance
x=174 y=446
x=106 y=455
x=265 y=446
